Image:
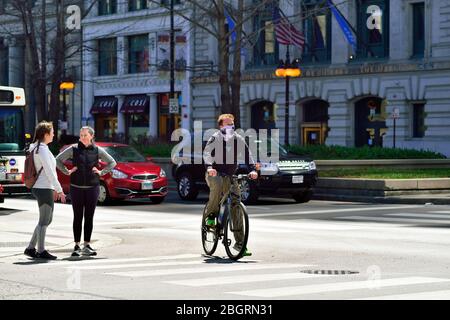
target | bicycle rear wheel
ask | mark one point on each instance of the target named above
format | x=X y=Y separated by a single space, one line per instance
x=236 y=233
x=210 y=237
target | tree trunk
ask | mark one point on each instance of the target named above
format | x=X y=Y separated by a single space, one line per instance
x=59 y=55
x=224 y=60
x=236 y=73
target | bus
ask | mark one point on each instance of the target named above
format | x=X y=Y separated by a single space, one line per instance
x=12 y=142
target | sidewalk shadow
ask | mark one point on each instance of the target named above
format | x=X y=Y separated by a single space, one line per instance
x=33 y=262
x=7 y=211
x=82 y=258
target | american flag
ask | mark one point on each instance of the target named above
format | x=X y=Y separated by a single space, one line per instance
x=285 y=32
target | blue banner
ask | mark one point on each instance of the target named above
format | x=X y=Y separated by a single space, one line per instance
x=344 y=25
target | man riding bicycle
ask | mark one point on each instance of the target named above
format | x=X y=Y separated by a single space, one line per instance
x=221 y=167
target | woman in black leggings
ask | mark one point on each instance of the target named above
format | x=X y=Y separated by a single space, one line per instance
x=84 y=184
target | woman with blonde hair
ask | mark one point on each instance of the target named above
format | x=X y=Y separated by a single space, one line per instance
x=46 y=189
x=84 y=185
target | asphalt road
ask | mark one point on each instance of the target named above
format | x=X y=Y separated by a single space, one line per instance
x=318 y=250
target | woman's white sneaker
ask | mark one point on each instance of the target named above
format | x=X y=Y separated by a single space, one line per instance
x=88 y=251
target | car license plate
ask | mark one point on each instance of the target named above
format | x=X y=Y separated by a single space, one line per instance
x=147 y=185
x=297 y=179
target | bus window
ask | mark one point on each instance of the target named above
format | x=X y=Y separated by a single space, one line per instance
x=12 y=135
x=6 y=96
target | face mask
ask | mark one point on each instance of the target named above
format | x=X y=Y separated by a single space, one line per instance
x=228 y=132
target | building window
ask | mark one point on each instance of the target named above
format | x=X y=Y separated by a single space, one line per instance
x=373 y=28
x=135 y=5
x=107 y=57
x=418 y=29
x=106 y=7
x=316 y=18
x=265 y=52
x=167 y=2
x=419 y=120
x=138 y=54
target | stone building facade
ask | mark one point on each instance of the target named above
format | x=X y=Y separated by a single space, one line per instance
x=401 y=67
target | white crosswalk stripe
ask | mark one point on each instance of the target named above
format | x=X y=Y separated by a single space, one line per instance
x=390 y=219
x=202 y=282
x=428 y=295
x=210 y=268
x=337 y=286
x=420 y=215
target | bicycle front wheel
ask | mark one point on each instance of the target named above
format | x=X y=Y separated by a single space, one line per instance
x=209 y=237
x=236 y=232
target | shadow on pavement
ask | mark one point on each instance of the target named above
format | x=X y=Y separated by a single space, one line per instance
x=32 y=262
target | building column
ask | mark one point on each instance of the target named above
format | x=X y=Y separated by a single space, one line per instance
x=341 y=123
x=120 y=115
x=16 y=64
x=153 y=110
x=121 y=56
x=340 y=47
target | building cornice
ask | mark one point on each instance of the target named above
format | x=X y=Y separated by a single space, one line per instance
x=352 y=69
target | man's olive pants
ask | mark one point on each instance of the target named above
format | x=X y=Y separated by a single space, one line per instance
x=218 y=186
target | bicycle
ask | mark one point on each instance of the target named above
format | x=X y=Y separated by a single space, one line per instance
x=226 y=228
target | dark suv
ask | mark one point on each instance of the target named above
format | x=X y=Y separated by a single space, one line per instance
x=292 y=175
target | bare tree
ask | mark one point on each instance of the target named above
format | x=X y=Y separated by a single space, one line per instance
x=49 y=45
x=211 y=17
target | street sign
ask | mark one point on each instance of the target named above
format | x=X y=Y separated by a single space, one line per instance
x=396 y=113
x=173 y=105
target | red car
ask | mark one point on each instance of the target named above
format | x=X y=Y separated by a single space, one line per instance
x=134 y=176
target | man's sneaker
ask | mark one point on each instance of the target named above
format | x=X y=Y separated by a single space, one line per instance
x=210 y=222
x=238 y=247
x=30 y=252
x=45 y=255
x=76 y=251
x=88 y=251
x=247 y=253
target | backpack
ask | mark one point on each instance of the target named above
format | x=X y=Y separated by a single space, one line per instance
x=31 y=175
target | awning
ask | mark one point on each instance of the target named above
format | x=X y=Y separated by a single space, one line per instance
x=135 y=104
x=104 y=105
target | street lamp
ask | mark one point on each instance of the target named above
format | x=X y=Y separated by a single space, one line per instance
x=66 y=84
x=287 y=70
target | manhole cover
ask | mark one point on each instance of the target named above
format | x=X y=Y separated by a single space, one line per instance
x=335 y=272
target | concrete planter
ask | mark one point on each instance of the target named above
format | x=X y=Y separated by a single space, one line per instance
x=388 y=163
